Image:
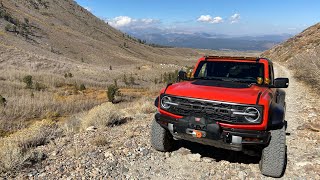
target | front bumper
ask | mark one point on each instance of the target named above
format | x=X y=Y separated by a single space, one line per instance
x=210 y=133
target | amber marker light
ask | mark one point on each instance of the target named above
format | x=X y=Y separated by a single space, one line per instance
x=259 y=80
x=267 y=81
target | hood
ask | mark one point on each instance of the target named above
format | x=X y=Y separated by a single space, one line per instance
x=237 y=94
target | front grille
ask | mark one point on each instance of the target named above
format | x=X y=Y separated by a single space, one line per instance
x=211 y=110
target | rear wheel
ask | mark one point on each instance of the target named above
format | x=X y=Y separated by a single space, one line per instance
x=161 y=139
x=273 y=159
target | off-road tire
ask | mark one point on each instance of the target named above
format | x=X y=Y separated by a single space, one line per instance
x=161 y=139
x=273 y=158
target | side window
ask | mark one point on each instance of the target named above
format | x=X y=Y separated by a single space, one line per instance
x=203 y=71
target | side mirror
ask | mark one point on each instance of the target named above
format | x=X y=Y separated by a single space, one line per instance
x=281 y=83
x=182 y=75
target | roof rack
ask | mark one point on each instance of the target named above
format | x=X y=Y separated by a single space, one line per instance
x=233 y=57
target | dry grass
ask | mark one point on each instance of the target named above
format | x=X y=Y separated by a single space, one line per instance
x=73 y=124
x=307 y=68
x=16 y=149
x=99 y=141
x=143 y=105
x=109 y=114
x=27 y=104
x=104 y=115
x=301 y=53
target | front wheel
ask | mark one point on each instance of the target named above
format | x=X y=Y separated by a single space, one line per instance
x=161 y=139
x=273 y=159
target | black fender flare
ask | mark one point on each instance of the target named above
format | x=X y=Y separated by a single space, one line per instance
x=281 y=97
x=276 y=116
x=156 y=102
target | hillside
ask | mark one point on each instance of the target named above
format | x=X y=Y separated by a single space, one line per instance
x=302 y=54
x=51 y=28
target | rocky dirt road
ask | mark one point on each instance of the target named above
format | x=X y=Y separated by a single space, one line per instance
x=127 y=153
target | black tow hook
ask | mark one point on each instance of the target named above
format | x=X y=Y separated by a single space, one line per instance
x=228 y=138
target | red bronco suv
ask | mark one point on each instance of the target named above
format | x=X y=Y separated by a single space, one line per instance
x=227 y=102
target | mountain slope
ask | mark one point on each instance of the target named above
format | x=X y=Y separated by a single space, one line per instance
x=65 y=28
x=302 y=54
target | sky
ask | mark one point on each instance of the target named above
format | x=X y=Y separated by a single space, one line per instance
x=231 y=17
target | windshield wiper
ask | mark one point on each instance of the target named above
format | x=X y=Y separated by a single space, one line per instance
x=240 y=80
x=210 y=78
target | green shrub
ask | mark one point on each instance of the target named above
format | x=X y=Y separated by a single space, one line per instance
x=39 y=87
x=82 y=87
x=32 y=95
x=3 y=101
x=26 y=20
x=11 y=28
x=68 y=75
x=125 y=80
x=132 y=80
x=112 y=92
x=28 y=80
x=115 y=82
x=170 y=77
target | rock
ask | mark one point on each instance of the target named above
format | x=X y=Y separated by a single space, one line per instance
x=302 y=127
x=312 y=115
x=130 y=144
x=109 y=155
x=145 y=152
x=304 y=163
x=124 y=170
x=194 y=157
x=242 y=175
x=207 y=160
x=54 y=153
x=42 y=175
x=133 y=156
x=183 y=151
x=91 y=128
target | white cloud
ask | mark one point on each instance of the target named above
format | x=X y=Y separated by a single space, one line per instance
x=235 y=18
x=149 y=21
x=88 y=9
x=217 y=19
x=121 y=21
x=210 y=19
x=205 y=18
x=126 y=21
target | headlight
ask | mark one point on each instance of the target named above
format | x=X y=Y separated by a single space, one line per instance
x=165 y=102
x=252 y=114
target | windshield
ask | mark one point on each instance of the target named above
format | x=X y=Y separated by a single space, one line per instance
x=230 y=71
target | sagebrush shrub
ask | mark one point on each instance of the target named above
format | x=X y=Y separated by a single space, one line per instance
x=112 y=92
x=82 y=87
x=28 y=80
x=3 y=101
